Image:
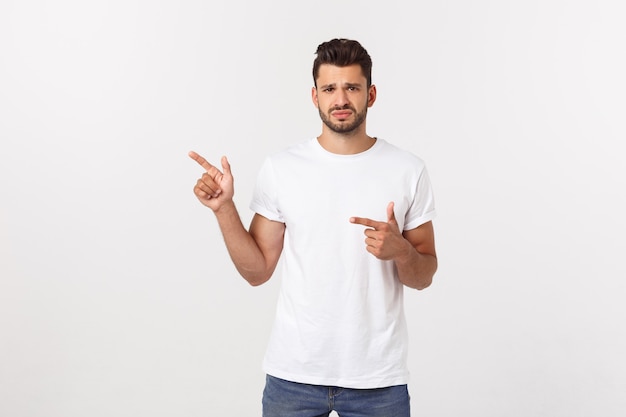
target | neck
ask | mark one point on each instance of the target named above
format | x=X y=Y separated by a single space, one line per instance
x=345 y=143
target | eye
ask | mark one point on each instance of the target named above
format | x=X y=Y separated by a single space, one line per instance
x=328 y=90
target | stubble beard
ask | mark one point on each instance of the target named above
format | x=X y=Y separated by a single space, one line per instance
x=344 y=127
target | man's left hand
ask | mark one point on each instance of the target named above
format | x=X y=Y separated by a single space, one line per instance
x=384 y=239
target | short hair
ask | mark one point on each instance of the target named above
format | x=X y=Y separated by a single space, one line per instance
x=342 y=53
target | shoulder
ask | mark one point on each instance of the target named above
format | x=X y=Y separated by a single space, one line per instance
x=400 y=155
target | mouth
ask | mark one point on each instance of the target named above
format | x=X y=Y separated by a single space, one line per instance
x=341 y=114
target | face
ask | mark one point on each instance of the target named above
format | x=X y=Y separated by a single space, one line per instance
x=342 y=97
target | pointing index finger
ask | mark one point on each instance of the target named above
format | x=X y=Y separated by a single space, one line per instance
x=200 y=160
x=364 y=221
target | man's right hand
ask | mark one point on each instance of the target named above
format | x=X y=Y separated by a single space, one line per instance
x=214 y=188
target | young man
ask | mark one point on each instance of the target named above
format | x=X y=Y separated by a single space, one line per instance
x=339 y=340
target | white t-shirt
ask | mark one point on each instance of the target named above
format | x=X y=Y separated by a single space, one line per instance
x=340 y=314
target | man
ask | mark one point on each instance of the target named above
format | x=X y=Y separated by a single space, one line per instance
x=339 y=340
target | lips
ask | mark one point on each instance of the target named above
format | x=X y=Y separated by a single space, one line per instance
x=341 y=114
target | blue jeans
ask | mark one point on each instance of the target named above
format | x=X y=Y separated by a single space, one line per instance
x=291 y=399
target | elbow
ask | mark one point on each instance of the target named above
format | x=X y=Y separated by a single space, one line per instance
x=256 y=274
x=418 y=274
x=424 y=279
x=256 y=279
x=255 y=282
x=418 y=282
x=422 y=285
x=427 y=278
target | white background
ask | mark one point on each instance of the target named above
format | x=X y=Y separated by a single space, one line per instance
x=117 y=297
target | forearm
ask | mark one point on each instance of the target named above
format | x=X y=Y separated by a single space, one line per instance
x=415 y=269
x=242 y=248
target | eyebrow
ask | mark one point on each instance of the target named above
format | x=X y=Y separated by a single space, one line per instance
x=334 y=85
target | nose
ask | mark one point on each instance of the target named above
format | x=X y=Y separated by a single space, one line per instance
x=341 y=98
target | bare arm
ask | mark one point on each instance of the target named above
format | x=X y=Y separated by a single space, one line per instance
x=255 y=253
x=412 y=251
x=417 y=268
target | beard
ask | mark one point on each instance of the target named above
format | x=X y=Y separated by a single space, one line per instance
x=344 y=127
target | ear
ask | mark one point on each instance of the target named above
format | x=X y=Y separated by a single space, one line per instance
x=314 y=97
x=371 y=96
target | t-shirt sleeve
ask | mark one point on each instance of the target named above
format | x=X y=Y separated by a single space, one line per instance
x=422 y=209
x=264 y=197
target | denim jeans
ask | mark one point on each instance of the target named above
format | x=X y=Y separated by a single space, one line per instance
x=290 y=399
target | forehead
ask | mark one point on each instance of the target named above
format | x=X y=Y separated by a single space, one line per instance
x=332 y=74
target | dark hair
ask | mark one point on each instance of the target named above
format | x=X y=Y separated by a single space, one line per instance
x=342 y=53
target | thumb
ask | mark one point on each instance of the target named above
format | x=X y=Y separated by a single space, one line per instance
x=391 y=216
x=226 y=166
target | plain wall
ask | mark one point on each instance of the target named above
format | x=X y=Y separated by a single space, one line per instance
x=117 y=296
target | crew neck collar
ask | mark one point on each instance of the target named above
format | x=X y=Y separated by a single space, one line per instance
x=376 y=145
